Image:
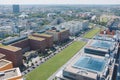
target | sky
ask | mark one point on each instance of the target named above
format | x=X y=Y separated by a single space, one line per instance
x=59 y=1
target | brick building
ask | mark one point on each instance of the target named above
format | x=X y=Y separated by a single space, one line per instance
x=24 y=44
x=37 y=43
x=63 y=35
x=59 y=35
x=107 y=32
x=14 y=48
x=48 y=38
x=13 y=54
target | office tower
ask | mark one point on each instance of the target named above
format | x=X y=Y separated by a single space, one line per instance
x=16 y=9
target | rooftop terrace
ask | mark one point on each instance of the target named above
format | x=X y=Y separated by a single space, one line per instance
x=90 y=63
x=1 y=56
x=57 y=30
x=99 y=47
x=36 y=38
x=11 y=48
x=46 y=35
x=4 y=62
x=9 y=74
x=101 y=44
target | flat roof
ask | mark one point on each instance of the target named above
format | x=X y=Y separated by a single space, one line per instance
x=45 y=35
x=36 y=38
x=14 y=40
x=86 y=61
x=11 y=73
x=4 y=62
x=90 y=63
x=19 y=41
x=1 y=55
x=90 y=67
x=57 y=31
x=100 y=45
x=104 y=37
x=29 y=53
x=11 y=48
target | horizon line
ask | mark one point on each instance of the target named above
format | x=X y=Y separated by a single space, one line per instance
x=60 y=4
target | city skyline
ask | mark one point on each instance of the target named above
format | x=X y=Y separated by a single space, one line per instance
x=59 y=2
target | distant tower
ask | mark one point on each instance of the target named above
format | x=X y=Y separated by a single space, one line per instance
x=16 y=9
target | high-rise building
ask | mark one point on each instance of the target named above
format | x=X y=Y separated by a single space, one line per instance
x=16 y=9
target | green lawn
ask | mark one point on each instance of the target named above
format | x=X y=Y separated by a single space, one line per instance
x=44 y=71
x=91 y=33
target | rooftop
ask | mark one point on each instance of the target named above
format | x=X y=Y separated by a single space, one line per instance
x=56 y=30
x=100 y=44
x=104 y=37
x=14 y=40
x=86 y=65
x=9 y=74
x=46 y=35
x=1 y=55
x=90 y=63
x=4 y=62
x=29 y=53
x=11 y=48
x=36 y=38
x=100 y=47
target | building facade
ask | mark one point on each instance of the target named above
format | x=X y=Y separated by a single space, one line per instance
x=48 y=38
x=16 y=9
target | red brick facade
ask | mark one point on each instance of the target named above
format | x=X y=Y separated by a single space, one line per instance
x=108 y=32
x=14 y=56
x=37 y=45
x=59 y=36
x=48 y=40
x=24 y=44
x=64 y=35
